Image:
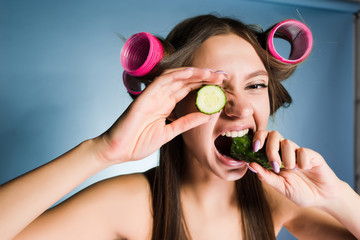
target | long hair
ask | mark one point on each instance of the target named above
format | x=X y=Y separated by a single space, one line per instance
x=180 y=44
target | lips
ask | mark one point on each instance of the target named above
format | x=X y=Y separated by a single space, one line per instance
x=228 y=161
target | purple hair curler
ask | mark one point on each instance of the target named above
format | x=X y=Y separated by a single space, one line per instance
x=299 y=36
x=133 y=86
x=140 y=54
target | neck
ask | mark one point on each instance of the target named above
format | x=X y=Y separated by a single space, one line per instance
x=207 y=195
x=206 y=189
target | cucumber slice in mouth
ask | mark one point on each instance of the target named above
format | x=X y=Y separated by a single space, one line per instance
x=210 y=99
x=225 y=145
x=240 y=148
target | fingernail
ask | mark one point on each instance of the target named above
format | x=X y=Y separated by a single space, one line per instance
x=275 y=166
x=256 y=145
x=224 y=73
x=209 y=69
x=251 y=169
x=189 y=68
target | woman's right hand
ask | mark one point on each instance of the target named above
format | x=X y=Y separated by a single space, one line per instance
x=141 y=129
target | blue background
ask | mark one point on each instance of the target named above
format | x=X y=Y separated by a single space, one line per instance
x=60 y=76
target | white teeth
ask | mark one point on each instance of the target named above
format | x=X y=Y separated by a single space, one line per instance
x=234 y=134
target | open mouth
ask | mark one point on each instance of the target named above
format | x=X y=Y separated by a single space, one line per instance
x=224 y=141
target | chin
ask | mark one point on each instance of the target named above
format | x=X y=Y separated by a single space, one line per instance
x=232 y=174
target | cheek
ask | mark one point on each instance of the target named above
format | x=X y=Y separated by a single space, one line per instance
x=198 y=137
x=193 y=144
x=267 y=107
x=262 y=113
x=195 y=138
x=200 y=140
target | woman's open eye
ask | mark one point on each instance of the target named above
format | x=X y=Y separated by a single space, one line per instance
x=257 y=86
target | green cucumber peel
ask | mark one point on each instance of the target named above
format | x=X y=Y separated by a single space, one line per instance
x=242 y=149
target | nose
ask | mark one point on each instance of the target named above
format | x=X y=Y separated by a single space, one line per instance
x=238 y=107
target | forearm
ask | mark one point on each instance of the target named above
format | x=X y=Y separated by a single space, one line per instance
x=23 y=199
x=346 y=209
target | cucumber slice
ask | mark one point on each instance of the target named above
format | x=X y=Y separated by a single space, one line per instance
x=210 y=99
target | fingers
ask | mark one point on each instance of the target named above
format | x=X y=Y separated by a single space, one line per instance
x=307 y=161
x=259 y=139
x=284 y=152
x=289 y=154
x=160 y=97
x=185 y=76
x=178 y=83
x=185 y=123
x=272 y=149
x=274 y=180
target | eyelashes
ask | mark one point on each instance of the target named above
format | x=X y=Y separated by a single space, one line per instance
x=257 y=86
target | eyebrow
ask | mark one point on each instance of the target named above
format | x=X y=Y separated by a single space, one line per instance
x=257 y=73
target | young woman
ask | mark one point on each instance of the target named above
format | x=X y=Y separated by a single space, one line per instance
x=196 y=192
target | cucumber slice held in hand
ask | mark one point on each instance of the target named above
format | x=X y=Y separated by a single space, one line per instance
x=210 y=99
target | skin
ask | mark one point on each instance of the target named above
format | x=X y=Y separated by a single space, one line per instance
x=120 y=207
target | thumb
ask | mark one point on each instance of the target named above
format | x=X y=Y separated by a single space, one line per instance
x=274 y=180
x=186 y=123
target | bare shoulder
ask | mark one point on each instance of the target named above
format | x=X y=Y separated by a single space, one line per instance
x=129 y=205
x=115 y=208
x=303 y=222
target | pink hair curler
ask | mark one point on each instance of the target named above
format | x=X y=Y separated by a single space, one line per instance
x=140 y=54
x=299 y=36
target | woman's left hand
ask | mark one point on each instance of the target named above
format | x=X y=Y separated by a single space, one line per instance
x=306 y=179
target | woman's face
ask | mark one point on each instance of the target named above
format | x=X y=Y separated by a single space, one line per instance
x=247 y=106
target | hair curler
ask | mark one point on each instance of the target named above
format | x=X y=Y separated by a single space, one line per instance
x=133 y=86
x=140 y=54
x=298 y=35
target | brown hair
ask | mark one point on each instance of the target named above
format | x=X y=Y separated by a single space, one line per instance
x=180 y=45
